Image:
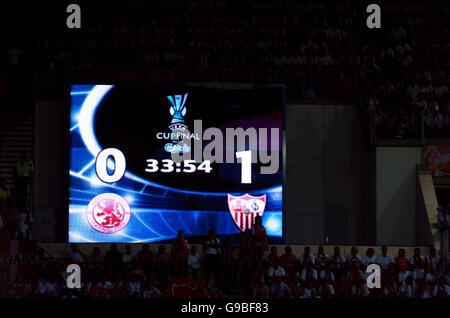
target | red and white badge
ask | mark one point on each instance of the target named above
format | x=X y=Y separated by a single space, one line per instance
x=245 y=208
x=108 y=213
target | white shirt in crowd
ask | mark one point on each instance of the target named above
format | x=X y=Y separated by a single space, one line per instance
x=302 y=258
x=402 y=276
x=148 y=293
x=212 y=250
x=304 y=272
x=418 y=273
x=306 y=293
x=127 y=258
x=324 y=275
x=351 y=258
x=280 y=272
x=408 y=290
x=284 y=288
x=364 y=287
x=384 y=261
x=322 y=257
x=22 y=225
x=436 y=288
x=434 y=261
x=76 y=257
x=366 y=259
x=435 y=120
x=134 y=287
x=411 y=260
x=106 y=284
x=194 y=260
x=330 y=288
x=48 y=287
x=88 y=287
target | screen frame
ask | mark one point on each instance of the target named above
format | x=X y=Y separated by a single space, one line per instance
x=205 y=85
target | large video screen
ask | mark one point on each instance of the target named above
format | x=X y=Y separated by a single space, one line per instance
x=149 y=160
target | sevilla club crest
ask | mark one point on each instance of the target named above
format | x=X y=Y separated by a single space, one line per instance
x=245 y=208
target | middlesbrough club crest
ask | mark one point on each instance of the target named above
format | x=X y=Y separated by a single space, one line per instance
x=245 y=208
x=108 y=213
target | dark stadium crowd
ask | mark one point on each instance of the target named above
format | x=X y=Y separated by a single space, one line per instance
x=214 y=270
x=400 y=74
x=321 y=50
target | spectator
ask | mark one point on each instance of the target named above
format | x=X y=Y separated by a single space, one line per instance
x=180 y=251
x=307 y=257
x=246 y=257
x=369 y=257
x=385 y=258
x=337 y=261
x=194 y=262
x=327 y=274
x=326 y=289
x=51 y=287
x=162 y=260
x=261 y=290
x=288 y=260
x=416 y=260
x=276 y=271
x=353 y=256
x=260 y=237
x=227 y=265
x=279 y=289
x=433 y=259
x=354 y=275
x=134 y=286
x=144 y=258
x=76 y=256
x=104 y=283
x=273 y=255
x=128 y=257
x=359 y=289
x=22 y=174
x=211 y=248
x=441 y=290
x=4 y=198
x=24 y=224
x=321 y=257
x=151 y=291
x=113 y=259
x=434 y=122
x=401 y=261
x=95 y=262
x=309 y=274
x=404 y=273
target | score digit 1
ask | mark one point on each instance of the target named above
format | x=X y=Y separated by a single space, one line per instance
x=246 y=165
x=101 y=165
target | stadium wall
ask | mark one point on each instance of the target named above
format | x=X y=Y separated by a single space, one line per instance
x=396 y=194
x=52 y=165
x=324 y=175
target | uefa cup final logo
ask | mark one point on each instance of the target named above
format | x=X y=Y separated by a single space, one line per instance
x=177 y=110
x=178 y=130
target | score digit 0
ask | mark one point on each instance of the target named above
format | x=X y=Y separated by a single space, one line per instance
x=101 y=165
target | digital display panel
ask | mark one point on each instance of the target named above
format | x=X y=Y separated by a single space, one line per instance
x=149 y=160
